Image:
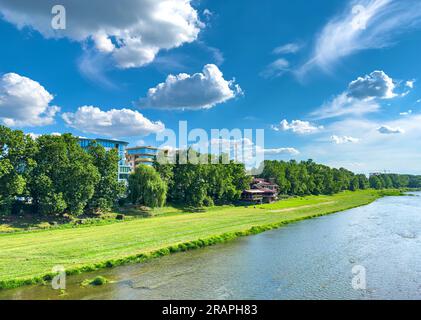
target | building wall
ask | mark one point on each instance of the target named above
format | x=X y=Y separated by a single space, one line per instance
x=141 y=155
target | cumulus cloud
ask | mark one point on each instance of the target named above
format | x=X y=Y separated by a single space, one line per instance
x=361 y=97
x=24 y=102
x=344 y=139
x=390 y=130
x=198 y=91
x=364 y=24
x=375 y=85
x=298 y=126
x=132 y=32
x=112 y=123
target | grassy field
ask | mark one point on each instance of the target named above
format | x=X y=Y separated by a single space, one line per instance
x=28 y=257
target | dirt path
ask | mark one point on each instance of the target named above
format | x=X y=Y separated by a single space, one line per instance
x=302 y=207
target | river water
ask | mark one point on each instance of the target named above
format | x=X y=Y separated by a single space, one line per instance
x=371 y=252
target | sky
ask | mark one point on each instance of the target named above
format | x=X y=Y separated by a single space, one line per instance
x=331 y=80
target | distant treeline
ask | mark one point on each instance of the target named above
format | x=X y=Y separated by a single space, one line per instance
x=391 y=180
x=308 y=177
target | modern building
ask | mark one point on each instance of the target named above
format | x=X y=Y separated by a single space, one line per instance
x=142 y=155
x=123 y=168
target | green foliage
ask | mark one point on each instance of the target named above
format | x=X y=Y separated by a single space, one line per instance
x=146 y=187
x=308 y=177
x=97 y=281
x=108 y=189
x=204 y=180
x=16 y=164
x=56 y=174
x=64 y=178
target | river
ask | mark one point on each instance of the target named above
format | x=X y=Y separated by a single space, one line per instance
x=312 y=259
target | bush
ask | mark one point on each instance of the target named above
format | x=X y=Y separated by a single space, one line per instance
x=147 y=188
x=97 y=281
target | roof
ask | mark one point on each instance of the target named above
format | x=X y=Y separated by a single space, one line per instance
x=267 y=191
x=255 y=191
x=105 y=140
x=265 y=183
x=143 y=147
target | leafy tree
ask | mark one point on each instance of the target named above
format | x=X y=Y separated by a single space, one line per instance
x=64 y=178
x=16 y=164
x=363 y=182
x=146 y=187
x=355 y=184
x=376 y=182
x=108 y=189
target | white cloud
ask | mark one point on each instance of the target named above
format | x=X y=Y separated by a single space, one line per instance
x=344 y=105
x=406 y=113
x=410 y=84
x=207 y=13
x=365 y=24
x=198 y=91
x=282 y=151
x=389 y=130
x=298 y=126
x=344 y=139
x=132 y=32
x=375 y=85
x=112 y=123
x=24 y=102
x=374 y=152
x=361 y=97
x=276 y=68
x=288 y=48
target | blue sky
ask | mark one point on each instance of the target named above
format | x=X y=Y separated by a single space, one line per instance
x=335 y=81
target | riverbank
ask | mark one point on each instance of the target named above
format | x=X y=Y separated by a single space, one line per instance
x=27 y=258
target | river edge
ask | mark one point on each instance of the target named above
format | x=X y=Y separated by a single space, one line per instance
x=186 y=246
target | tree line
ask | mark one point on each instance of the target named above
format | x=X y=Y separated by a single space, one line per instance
x=54 y=175
x=308 y=177
x=210 y=181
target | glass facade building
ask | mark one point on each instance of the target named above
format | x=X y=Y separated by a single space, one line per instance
x=123 y=168
x=142 y=155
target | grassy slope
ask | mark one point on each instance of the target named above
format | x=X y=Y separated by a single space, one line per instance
x=26 y=256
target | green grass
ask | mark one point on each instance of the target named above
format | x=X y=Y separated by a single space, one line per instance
x=28 y=257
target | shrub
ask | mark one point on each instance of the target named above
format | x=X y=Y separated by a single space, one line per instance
x=97 y=281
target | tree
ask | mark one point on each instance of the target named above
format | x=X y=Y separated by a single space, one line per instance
x=64 y=178
x=146 y=187
x=375 y=182
x=16 y=164
x=108 y=189
x=355 y=184
x=363 y=182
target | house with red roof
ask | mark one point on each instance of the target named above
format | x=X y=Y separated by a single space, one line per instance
x=261 y=191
